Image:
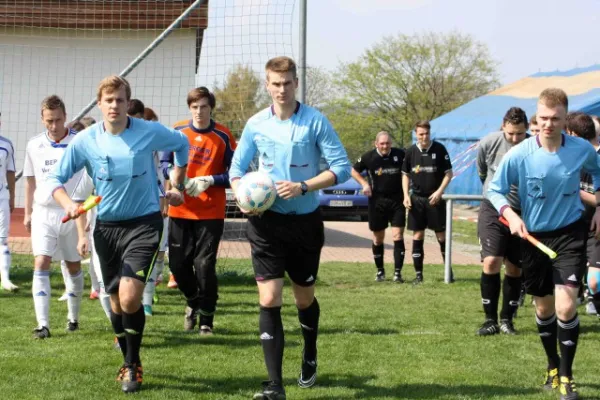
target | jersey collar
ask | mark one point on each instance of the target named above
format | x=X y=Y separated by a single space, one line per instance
x=210 y=127
x=295 y=111
x=59 y=140
x=126 y=127
x=537 y=140
x=427 y=149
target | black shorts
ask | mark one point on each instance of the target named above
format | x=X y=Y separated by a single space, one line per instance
x=541 y=274
x=194 y=243
x=495 y=238
x=127 y=248
x=422 y=215
x=386 y=210
x=286 y=243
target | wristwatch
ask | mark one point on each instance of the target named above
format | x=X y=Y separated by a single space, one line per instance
x=180 y=187
x=303 y=187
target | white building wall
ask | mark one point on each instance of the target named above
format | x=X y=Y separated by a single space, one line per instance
x=70 y=64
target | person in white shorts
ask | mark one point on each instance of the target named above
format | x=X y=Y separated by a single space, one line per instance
x=7 y=204
x=50 y=238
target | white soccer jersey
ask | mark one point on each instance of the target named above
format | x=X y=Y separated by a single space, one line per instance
x=7 y=163
x=40 y=157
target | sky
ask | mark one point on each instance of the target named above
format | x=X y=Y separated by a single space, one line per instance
x=524 y=36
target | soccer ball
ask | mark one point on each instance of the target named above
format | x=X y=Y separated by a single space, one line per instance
x=255 y=192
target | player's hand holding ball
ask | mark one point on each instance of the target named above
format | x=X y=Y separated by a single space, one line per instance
x=194 y=187
x=255 y=193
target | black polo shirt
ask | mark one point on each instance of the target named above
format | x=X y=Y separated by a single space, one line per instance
x=385 y=172
x=426 y=168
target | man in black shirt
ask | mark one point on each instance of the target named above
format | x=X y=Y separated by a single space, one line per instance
x=384 y=189
x=427 y=171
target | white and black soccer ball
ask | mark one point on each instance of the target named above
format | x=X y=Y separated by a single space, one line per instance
x=255 y=192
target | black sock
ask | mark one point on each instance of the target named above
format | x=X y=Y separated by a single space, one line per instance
x=271 y=336
x=378 y=255
x=511 y=291
x=417 y=255
x=547 y=329
x=442 y=244
x=490 y=293
x=134 y=330
x=309 y=321
x=399 y=251
x=596 y=301
x=194 y=301
x=568 y=335
x=117 y=324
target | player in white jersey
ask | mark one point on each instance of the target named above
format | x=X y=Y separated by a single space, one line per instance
x=50 y=238
x=7 y=204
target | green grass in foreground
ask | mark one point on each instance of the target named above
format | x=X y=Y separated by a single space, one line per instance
x=378 y=341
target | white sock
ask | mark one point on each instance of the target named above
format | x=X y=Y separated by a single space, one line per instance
x=150 y=288
x=40 y=289
x=104 y=301
x=65 y=275
x=93 y=276
x=159 y=266
x=75 y=290
x=4 y=264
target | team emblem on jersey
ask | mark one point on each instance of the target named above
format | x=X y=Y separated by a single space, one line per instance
x=379 y=171
x=359 y=158
x=417 y=169
x=198 y=138
x=395 y=158
x=433 y=156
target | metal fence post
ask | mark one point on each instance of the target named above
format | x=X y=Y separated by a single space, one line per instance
x=448 y=261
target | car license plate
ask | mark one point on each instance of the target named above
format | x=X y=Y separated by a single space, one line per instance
x=340 y=203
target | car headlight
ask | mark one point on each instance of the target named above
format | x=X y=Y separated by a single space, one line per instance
x=360 y=192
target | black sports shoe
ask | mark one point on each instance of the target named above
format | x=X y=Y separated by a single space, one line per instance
x=308 y=375
x=270 y=391
x=568 y=390
x=551 y=379
x=131 y=377
x=489 y=327
x=380 y=276
x=41 y=333
x=190 y=319
x=398 y=277
x=418 y=280
x=72 y=326
x=507 y=327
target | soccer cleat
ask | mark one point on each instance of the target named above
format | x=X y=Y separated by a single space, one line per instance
x=64 y=297
x=122 y=372
x=94 y=295
x=398 y=277
x=72 y=326
x=418 y=280
x=590 y=309
x=190 y=319
x=568 y=390
x=132 y=378
x=308 y=374
x=155 y=298
x=172 y=284
x=41 y=333
x=205 y=330
x=270 y=391
x=507 y=327
x=9 y=286
x=551 y=379
x=380 y=276
x=148 y=310
x=488 y=328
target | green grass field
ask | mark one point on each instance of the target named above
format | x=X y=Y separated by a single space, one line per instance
x=378 y=341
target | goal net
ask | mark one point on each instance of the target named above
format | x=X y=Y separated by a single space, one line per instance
x=65 y=47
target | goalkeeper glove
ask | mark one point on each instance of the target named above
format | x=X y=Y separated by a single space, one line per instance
x=196 y=186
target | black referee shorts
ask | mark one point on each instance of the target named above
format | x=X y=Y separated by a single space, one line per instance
x=386 y=210
x=541 y=274
x=423 y=215
x=495 y=238
x=593 y=250
x=286 y=243
x=127 y=248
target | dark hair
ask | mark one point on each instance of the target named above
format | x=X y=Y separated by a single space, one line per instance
x=581 y=124
x=423 y=124
x=150 y=115
x=135 y=107
x=533 y=119
x=201 y=93
x=77 y=126
x=515 y=116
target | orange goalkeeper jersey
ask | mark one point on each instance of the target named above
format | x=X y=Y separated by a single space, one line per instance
x=211 y=150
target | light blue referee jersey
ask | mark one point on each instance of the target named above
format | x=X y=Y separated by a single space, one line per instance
x=548 y=183
x=290 y=150
x=121 y=166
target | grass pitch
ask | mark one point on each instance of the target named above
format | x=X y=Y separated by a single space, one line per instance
x=377 y=341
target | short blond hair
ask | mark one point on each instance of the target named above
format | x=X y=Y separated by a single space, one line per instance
x=53 y=103
x=554 y=97
x=111 y=84
x=281 y=65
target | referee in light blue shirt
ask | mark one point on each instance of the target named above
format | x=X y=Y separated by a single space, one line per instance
x=290 y=138
x=118 y=154
x=546 y=170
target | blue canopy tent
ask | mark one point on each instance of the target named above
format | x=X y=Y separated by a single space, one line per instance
x=460 y=129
